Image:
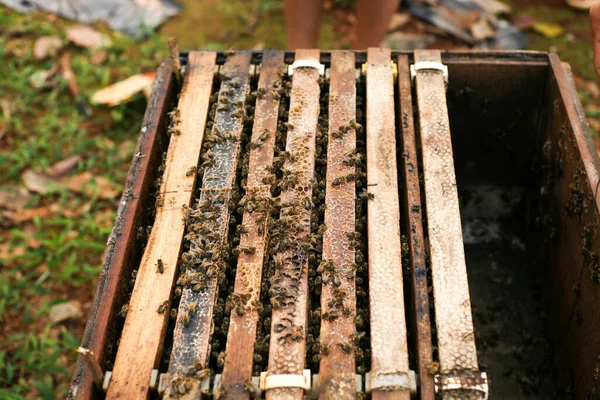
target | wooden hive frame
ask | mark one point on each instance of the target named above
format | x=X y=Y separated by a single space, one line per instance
x=140 y=338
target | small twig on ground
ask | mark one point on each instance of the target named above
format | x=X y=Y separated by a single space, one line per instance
x=92 y=363
x=175 y=63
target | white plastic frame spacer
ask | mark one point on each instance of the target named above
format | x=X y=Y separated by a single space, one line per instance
x=398 y=380
x=107 y=379
x=306 y=64
x=429 y=66
x=472 y=381
x=268 y=382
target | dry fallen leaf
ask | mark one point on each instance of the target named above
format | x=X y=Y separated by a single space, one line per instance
x=397 y=21
x=66 y=311
x=62 y=168
x=13 y=197
x=46 y=46
x=16 y=47
x=549 y=30
x=88 y=184
x=42 y=78
x=482 y=29
x=523 y=22
x=85 y=36
x=123 y=91
x=28 y=214
x=99 y=57
x=6 y=251
x=39 y=183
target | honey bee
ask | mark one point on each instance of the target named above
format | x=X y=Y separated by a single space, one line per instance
x=221 y=359
x=297 y=333
x=191 y=171
x=185 y=319
x=434 y=368
x=250 y=388
x=124 y=310
x=346 y=347
x=160 y=267
x=162 y=307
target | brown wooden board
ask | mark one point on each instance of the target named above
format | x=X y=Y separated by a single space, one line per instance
x=455 y=334
x=141 y=342
x=193 y=329
x=389 y=348
x=122 y=254
x=289 y=286
x=570 y=227
x=337 y=375
x=412 y=204
x=237 y=370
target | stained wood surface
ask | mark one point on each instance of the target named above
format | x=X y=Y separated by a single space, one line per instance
x=389 y=349
x=456 y=340
x=337 y=374
x=573 y=220
x=143 y=333
x=193 y=329
x=412 y=204
x=242 y=326
x=122 y=254
x=287 y=355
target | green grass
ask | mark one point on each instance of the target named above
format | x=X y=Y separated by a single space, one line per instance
x=57 y=257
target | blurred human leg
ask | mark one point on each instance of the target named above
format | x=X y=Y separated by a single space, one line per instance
x=373 y=19
x=302 y=19
x=595 y=22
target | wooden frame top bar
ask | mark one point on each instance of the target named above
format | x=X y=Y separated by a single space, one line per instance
x=143 y=333
x=454 y=322
x=241 y=337
x=389 y=348
x=337 y=370
x=287 y=351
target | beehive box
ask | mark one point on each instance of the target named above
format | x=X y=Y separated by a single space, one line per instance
x=345 y=227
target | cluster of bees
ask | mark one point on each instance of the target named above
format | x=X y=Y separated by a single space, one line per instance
x=590 y=257
x=261 y=346
x=357 y=159
x=295 y=239
x=344 y=129
x=576 y=202
x=174 y=122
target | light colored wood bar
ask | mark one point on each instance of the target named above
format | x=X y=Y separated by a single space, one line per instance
x=193 y=329
x=456 y=340
x=337 y=370
x=412 y=199
x=244 y=318
x=289 y=286
x=389 y=348
x=141 y=342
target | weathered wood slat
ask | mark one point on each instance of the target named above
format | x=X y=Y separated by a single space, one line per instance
x=244 y=318
x=337 y=375
x=412 y=200
x=456 y=340
x=389 y=348
x=289 y=286
x=572 y=222
x=143 y=333
x=121 y=253
x=193 y=329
